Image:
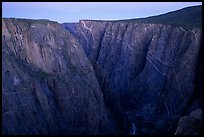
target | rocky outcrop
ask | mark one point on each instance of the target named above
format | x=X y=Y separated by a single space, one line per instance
x=102 y=77
x=146 y=71
x=190 y=124
x=48 y=84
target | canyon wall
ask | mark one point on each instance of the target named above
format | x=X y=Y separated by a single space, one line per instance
x=137 y=76
x=48 y=84
x=147 y=72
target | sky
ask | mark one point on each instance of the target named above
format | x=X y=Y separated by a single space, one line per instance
x=74 y=11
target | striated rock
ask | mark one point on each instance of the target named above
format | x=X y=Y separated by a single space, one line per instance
x=48 y=84
x=146 y=71
x=190 y=124
x=102 y=77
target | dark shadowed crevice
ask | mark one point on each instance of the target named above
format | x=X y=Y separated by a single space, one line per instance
x=100 y=45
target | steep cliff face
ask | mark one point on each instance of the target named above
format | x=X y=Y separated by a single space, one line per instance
x=48 y=84
x=102 y=77
x=146 y=71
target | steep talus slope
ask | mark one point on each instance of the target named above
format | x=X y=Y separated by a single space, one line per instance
x=146 y=71
x=48 y=84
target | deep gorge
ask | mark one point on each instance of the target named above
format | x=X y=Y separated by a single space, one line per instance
x=99 y=77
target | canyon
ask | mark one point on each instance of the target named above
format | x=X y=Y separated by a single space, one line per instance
x=138 y=77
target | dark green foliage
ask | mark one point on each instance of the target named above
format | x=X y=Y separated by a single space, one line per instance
x=30 y=21
x=42 y=74
x=187 y=17
x=190 y=16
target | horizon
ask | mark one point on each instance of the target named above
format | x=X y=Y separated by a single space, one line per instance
x=63 y=12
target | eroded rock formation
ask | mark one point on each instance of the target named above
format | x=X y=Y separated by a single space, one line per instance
x=102 y=77
x=48 y=84
x=190 y=124
x=146 y=71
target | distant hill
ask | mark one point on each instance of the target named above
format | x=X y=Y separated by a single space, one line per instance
x=187 y=17
x=190 y=16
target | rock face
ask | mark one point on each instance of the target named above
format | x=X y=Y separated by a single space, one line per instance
x=100 y=77
x=146 y=71
x=191 y=124
x=48 y=84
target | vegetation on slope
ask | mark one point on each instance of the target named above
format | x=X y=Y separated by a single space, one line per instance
x=187 y=17
x=190 y=16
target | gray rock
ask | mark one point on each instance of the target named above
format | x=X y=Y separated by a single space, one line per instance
x=190 y=124
x=147 y=70
x=99 y=77
x=48 y=84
